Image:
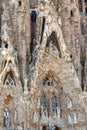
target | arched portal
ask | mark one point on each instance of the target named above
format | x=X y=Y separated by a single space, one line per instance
x=57 y=128
x=50 y=128
x=44 y=128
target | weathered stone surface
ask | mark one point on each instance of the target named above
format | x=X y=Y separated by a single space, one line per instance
x=43 y=65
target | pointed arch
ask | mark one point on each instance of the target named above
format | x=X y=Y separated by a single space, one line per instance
x=71 y=14
x=53 y=42
x=9 y=78
x=19 y=3
x=12 y=68
x=52 y=127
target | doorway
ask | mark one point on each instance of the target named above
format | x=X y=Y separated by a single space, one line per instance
x=56 y=128
x=45 y=128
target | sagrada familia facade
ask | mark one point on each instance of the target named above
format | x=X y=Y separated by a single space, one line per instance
x=43 y=64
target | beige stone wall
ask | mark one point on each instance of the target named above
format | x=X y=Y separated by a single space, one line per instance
x=43 y=89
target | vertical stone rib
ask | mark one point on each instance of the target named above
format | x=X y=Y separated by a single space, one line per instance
x=0 y=19
x=6 y=30
x=23 y=37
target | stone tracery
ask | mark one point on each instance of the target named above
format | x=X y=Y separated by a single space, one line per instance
x=47 y=103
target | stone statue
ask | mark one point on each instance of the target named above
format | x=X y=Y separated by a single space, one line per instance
x=6 y=118
x=44 y=114
x=58 y=112
x=54 y=113
x=69 y=118
x=50 y=126
x=69 y=104
x=35 y=117
x=77 y=43
x=38 y=102
x=75 y=118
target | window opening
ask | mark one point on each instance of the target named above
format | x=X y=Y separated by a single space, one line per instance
x=86 y=10
x=42 y=29
x=85 y=1
x=54 y=105
x=47 y=81
x=43 y=100
x=33 y=30
x=19 y=3
x=71 y=13
x=33 y=16
x=6 y=45
x=80 y=5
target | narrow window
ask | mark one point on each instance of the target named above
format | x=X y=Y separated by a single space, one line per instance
x=1 y=12
x=47 y=81
x=54 y=105
x=54 y=101
x=71 y=13
x=71 y=56
x=44 y=106
x=43 y=100
x=86 y=10
x=6 y=45
x=33 y=16
x=85 y=1
x=43 y=24
x=19 y=3
x=80 y=5
x=33 y=30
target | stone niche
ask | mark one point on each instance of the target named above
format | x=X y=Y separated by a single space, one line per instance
x=9 y=81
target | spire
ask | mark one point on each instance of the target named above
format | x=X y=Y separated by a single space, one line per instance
x=6 y=32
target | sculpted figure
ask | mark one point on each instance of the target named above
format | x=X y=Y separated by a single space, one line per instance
x=6 y=118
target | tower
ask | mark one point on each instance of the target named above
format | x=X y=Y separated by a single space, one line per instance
x=14 y=51
x=41 y=53
x=16 y=21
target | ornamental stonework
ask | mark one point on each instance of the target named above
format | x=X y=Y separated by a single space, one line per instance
x=43 y=65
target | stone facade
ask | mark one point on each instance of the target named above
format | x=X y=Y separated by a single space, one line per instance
x=43 y=65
